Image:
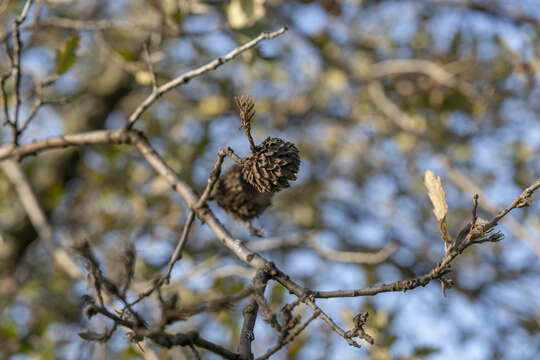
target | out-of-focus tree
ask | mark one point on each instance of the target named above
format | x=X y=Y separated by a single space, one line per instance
x=138 y=98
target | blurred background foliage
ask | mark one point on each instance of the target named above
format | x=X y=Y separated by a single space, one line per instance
x=372 y=92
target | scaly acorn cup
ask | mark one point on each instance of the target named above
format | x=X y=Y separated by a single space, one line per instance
x=270 y=168
x=272 y=164
x=238 y=198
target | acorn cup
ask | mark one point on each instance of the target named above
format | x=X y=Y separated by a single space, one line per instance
x=273 y=163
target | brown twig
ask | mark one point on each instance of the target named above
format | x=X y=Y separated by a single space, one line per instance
x=280 y=344
x=182 y=240
x=5 y=105
x=40 y=101
x=521 y=201
x=477 y=234
x=357 y=257
x=475 y=209
x=236 y=246
x=16 y=66
x=81 y=139
x=214 y=305
x=212 y=180
x=184 y=78
x=250 y=316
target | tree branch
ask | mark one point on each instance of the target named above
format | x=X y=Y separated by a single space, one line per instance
x=184 y=78
x=235 y=245
x=250 y=316
x=63 y=141
x=475 y=235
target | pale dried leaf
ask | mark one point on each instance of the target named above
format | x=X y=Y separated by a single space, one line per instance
x=436 y=194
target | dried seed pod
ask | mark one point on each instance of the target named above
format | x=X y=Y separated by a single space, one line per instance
x=238 y=198
x=272 y=165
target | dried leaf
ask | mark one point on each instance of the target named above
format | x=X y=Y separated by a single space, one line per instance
x=436 y=195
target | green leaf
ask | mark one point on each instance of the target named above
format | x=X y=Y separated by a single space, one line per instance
x=8 y=331
x=65 y=56
x=127 y=55
x=425 y=351
x=456 y=42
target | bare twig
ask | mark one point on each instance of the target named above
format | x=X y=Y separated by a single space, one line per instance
x=479 y=233
x=159 y=337
x=16 y=65
x=182 y=79
x=475 y=208
x=360 y=321
x=5 y=105
x=212 y=179
x=426 y=67
x=177 y=254
x=393 y=112
x=87 y=138
x=466 y=184
x=236 y=246
x=247 y=335
x=521 y=201
x=40 y=101
x=215 y=305
x=280 y=242
x=192 y=338
x=282 y=343
x=250 y=316
x=358 y=257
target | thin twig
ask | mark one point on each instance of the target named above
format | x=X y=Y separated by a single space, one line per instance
x=281 y=344
x=475 y=209
x=212 y=179
x=16 y=65
x=475 y=235
x=214 y=305
x=39 y=101
x=184 y=78
x=80 y=139
x=466 y=184
x=237 y=247
x=250 y=315
x=246 y=334
x=177 y=254
x=357 y=257
x=5 y=105
x=522 y=200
